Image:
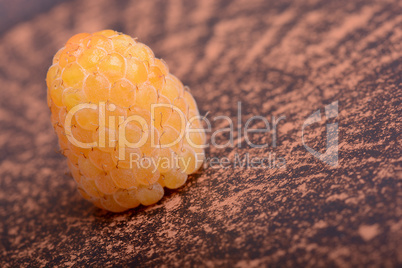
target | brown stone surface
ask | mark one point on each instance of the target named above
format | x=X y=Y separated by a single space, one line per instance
x=278 y=58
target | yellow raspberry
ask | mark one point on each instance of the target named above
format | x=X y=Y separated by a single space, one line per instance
x=127 y=126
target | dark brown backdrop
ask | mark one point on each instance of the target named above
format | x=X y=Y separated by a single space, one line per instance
x=278 y=58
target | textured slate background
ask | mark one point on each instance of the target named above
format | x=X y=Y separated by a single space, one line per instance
x=278 y=58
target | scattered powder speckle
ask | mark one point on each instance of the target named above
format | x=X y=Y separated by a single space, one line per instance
x=368 y=232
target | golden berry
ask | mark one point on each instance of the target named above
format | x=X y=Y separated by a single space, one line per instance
x=121 y=119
